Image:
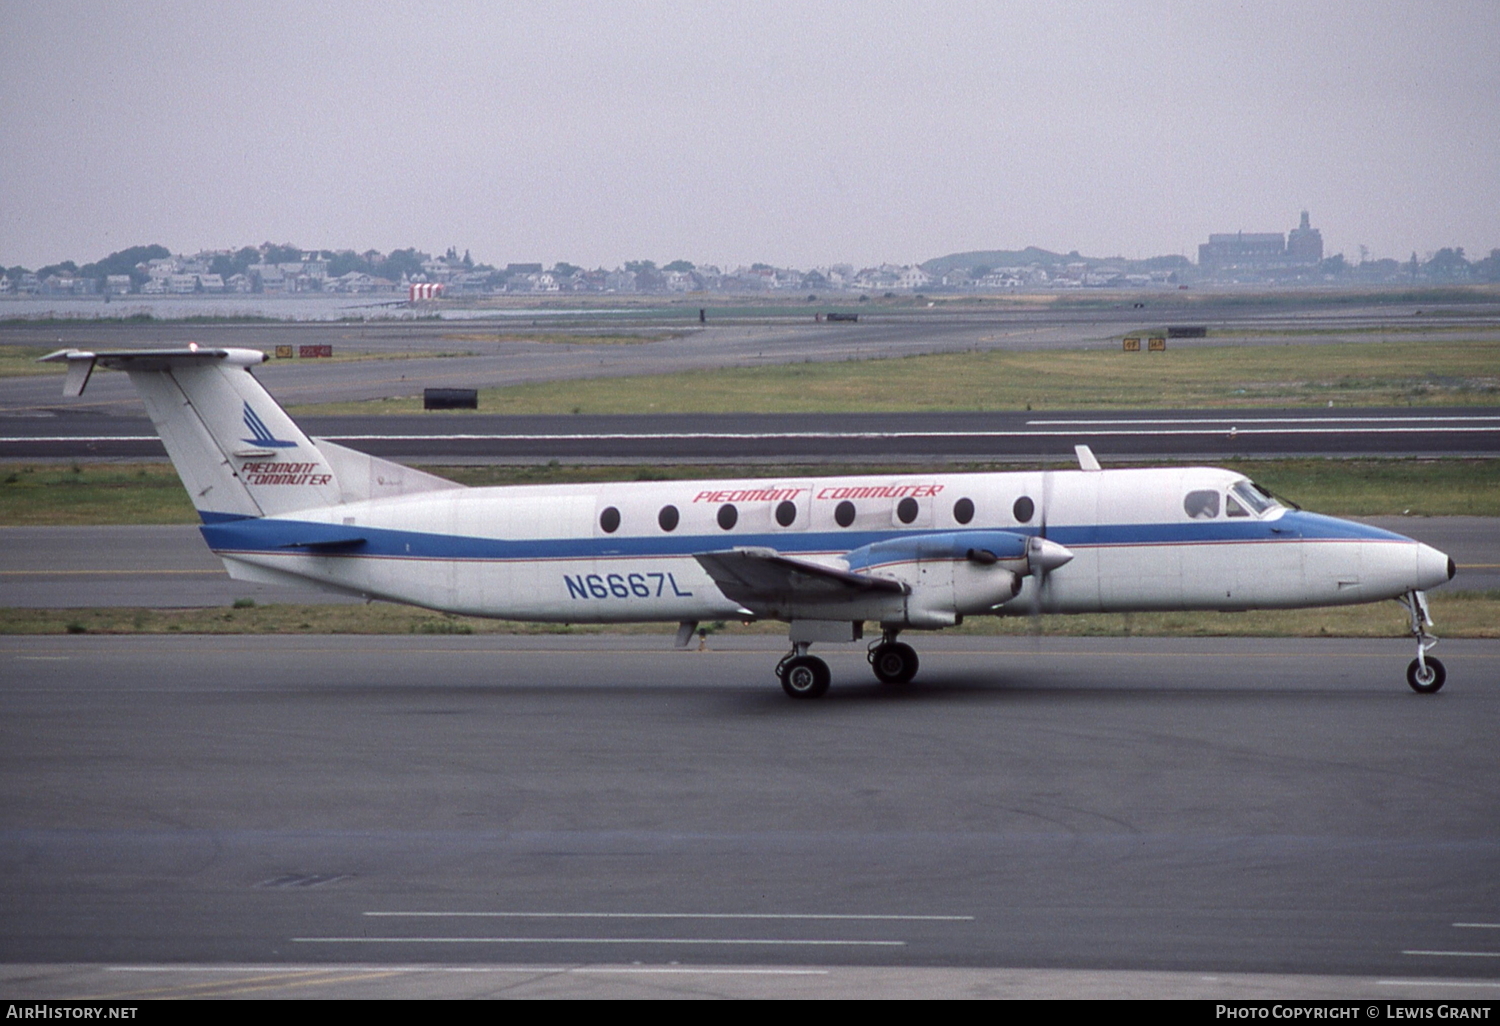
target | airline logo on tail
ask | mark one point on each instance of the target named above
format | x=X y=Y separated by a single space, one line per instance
x=262 y=433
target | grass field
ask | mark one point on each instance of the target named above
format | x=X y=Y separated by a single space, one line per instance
x=1457 y=615
x=564 y=337
x=1455 y=373
x=150 y=493
x=21 y=361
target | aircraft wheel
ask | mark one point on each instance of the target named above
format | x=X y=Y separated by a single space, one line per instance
x=894 y=663
x=1426 y=683
x=805 y=677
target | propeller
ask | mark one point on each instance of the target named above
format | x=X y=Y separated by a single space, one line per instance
x=1043 y=555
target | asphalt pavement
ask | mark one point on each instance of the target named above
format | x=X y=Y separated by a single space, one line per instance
x=1145 y=807
x=926 y=438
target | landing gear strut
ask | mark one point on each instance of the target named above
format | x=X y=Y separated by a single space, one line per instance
x=803 y=675
x=892 y=661
x=1426 y=676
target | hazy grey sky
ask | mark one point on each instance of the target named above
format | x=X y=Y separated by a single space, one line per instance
x=798 y=133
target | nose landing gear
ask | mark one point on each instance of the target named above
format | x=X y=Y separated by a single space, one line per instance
x=1426 y=676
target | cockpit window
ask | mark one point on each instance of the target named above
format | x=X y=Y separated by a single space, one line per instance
x=1234 y=509
x=1201 y=505
x=1253 y=496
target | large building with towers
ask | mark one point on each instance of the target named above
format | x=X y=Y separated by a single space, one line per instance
x=1262 y=252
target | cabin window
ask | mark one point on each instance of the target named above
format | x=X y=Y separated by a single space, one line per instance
x=609 y=520
x=1201 y=505
x=1023 y=509
x=906 y=510
x=786 y=513
x=728 y=516
x=963 y=510
x=843 y=513
x=1233 y=508
x=668 y=518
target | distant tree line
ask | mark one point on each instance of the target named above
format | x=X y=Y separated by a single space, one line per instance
x=1446 y=265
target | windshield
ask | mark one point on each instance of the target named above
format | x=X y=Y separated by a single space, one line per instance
x=1255 y=497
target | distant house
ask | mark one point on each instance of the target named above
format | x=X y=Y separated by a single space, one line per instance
x=68 y=285
x=619 y=281
x=877 y=279
x=268 y=277
x=357 y=282
x=117 y=285
x=913 y=278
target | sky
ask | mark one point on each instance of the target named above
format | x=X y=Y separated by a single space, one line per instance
x=795 y=133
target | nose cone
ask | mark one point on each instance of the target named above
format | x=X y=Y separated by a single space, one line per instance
x=1433 y=567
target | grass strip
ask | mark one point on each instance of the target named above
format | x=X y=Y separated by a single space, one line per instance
x=1457 y=615
x=150 y=493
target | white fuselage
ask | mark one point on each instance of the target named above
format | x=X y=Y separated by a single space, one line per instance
x=1141 y=540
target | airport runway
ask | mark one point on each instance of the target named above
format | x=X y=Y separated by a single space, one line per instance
x=927 y=438
x=1127 y=806
x=169 y=567
x=497 y=353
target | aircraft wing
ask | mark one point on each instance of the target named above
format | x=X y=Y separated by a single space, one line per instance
x=754 y=576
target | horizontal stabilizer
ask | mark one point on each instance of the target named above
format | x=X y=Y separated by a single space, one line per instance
x=81 y=362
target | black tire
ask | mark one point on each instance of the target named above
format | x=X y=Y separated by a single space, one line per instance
x=805 y=677
x=895 y=663
x=1432 y=683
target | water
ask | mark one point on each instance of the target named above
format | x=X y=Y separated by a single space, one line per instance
x=281 y=308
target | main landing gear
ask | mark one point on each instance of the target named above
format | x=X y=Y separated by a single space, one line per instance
x=1426 y=676
x=892 y=661
x=807 y=676
x=803 y=675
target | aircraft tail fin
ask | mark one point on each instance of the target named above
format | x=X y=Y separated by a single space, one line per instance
x=236 y=450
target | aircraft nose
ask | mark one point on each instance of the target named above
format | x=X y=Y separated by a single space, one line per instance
x=1434 y=567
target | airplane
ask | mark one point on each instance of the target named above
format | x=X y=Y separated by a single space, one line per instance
x=903 y=552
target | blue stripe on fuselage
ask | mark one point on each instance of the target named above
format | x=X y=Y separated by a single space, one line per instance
x=294 y=536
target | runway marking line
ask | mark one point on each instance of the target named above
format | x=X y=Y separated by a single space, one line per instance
x=703 y=972
x=290 y=977
x=126 y=571
x=785 y=942
x=1252 y=419
x=1477 y=926
x=673 y=915
x=1436 y=983
x=464 y=969
x=1239 y=428
x=1456 y=954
